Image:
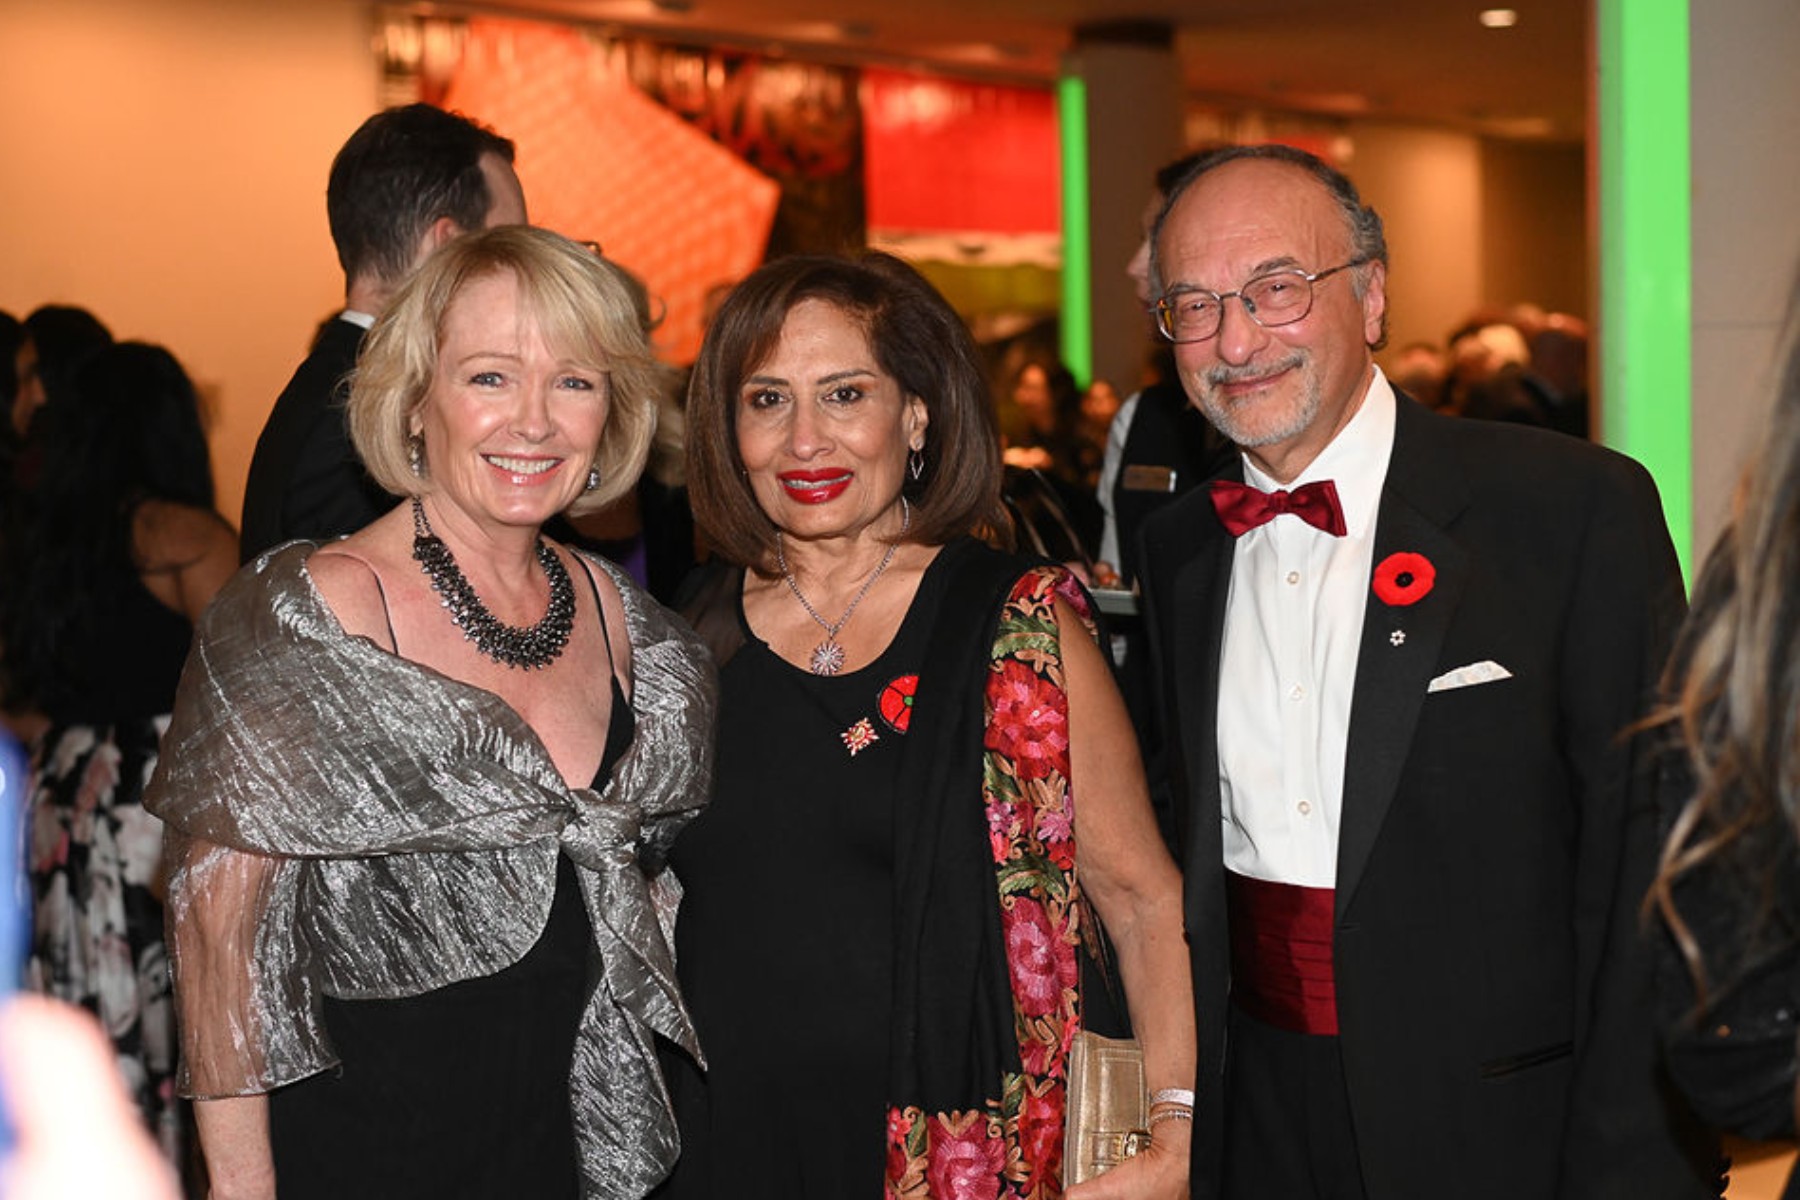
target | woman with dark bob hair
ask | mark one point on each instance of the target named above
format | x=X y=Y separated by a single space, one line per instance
x=907 y=717
x=417 y=778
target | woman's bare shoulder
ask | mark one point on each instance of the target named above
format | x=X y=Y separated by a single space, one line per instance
x=348 y=579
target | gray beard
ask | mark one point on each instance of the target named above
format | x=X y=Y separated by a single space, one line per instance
x=1224 y=416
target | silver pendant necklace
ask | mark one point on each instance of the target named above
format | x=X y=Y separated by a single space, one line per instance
x=828 y=656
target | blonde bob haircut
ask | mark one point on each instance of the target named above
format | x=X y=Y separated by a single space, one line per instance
x=587 y=310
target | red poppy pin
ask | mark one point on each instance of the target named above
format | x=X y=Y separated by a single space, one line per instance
x=897 y=702
x=1404 y=578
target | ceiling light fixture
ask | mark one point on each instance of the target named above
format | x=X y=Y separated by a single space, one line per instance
x=1499 y=18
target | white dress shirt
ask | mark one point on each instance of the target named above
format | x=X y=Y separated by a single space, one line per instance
x=1293 y=626
x=1116 y=435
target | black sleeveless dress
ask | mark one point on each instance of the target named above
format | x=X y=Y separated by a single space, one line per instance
x=785 y=936
x=459 y=1092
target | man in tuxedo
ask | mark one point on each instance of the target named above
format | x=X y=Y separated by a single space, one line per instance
x=1396 y=655
x=408 y=180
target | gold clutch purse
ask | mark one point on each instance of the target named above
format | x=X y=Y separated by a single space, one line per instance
x=1108 y=1117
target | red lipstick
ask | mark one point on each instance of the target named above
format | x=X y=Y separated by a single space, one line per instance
x=816 y=487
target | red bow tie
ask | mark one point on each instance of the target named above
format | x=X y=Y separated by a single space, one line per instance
x=1242 y=508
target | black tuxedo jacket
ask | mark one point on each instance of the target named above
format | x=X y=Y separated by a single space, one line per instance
x=1493 y=992
x=305 y=479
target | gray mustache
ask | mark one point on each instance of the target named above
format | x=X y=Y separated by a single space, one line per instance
x=1226 y=373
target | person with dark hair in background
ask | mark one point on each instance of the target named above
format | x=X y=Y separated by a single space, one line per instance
x=12 y=336
x=1728 y=892
x=109 y=559
x=408 y=180
x=885 y=903
x=59 y=340
x=1053 y=511
x=1046 y=404
x=1547 y=388
x=1396 y=656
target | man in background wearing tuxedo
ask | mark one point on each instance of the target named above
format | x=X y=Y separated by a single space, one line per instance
x=408 y=180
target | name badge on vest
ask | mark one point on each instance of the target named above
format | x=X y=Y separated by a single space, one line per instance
x=1139 y=478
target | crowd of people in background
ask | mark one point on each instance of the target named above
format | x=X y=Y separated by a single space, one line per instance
x=111 y=547
x=384 y=841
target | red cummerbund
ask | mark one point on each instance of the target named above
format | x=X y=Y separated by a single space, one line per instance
x=1281 y=954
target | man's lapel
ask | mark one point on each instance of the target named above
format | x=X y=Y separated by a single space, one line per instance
x=1201 y=588
x=1401 y=645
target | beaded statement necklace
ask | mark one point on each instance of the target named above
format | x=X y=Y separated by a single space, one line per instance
x=828 y=656
x=525 y=648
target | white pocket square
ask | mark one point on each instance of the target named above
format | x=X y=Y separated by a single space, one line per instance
x=1486 y=671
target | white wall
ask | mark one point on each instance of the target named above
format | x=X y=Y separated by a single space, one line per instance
x=165 y=168
x=1746 y=231
x=1427 y=186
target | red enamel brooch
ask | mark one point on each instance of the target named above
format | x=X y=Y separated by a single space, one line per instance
x=1404 y=578
x=859 y=737
x=897 y=702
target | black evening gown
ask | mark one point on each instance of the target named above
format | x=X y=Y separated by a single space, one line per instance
x=785 y=936
x=459 y=1092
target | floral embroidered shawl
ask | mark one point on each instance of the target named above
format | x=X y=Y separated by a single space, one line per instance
x=986 y=1006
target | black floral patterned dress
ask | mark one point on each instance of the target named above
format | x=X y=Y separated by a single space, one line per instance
x=95 y=854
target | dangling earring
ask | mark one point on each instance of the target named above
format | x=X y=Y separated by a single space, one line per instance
x=915 y=462
x=415 y=455
x=593 y=479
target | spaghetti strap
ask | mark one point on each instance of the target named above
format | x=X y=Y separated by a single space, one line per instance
x=612 y=665
x=386 y=613
x=621 y=730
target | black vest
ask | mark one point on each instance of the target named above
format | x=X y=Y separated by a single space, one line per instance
x=1169 y=450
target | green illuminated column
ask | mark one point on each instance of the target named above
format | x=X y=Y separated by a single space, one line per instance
x=1645 y=255
x=1077 y=261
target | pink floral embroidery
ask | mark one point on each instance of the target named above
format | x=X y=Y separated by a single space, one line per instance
x=1027 y=726
x=1040 y=971
x=1053 y=824
x=1041 y=1136
x=1013 y=1149
x=859 y=737
x=965 y=1159
x=999 y=822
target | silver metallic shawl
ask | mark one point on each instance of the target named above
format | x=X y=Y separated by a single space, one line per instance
x=344 y=822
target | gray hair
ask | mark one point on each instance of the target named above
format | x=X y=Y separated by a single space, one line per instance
x=1363 y=223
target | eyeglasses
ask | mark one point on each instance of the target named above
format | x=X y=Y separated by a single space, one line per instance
x=1273 y=300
